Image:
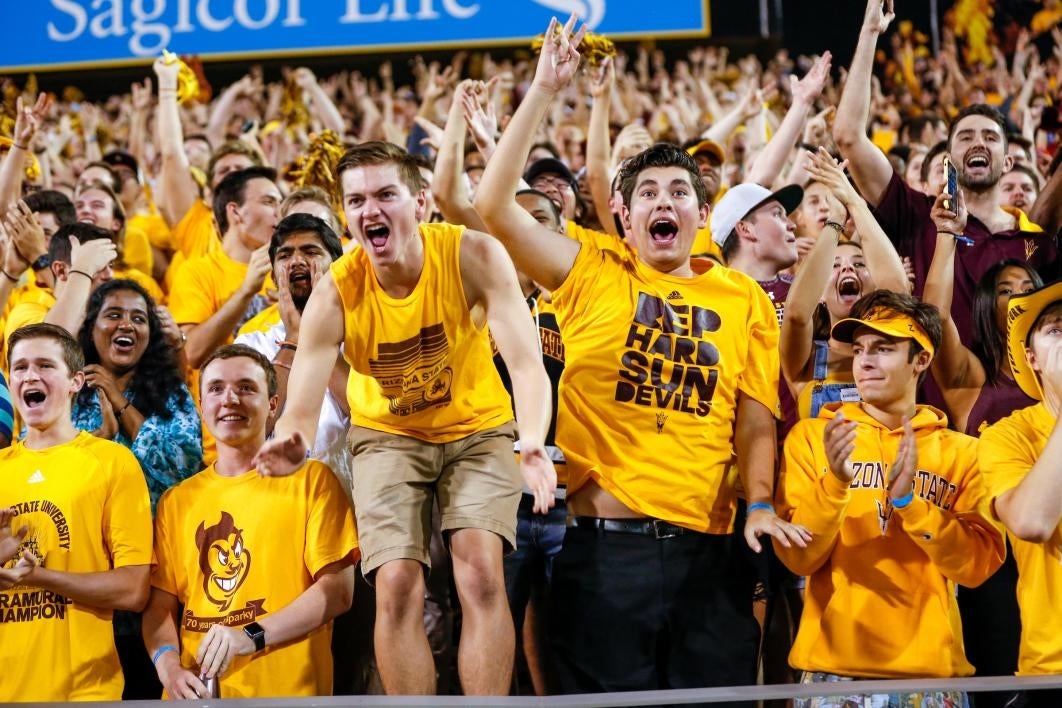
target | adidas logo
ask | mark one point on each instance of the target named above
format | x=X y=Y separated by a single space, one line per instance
x=674 y=295
x=35 y=478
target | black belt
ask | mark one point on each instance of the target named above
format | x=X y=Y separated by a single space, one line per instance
x=656 y=528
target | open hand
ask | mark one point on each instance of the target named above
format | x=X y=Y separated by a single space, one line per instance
x=901 y=474
x=539 y=475
x=559 y=59
x=281 y=457
x=839 y=441
x=765 y=522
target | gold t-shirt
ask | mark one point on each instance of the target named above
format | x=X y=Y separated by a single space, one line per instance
x=654 y=364
x=195 y=235
x=1006 y=452
x=202 y=286
x=137 y=251
x=86 y=505
x=235 y=549
x=420 y=366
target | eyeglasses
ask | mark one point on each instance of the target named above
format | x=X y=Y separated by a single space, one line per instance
x=545 y=182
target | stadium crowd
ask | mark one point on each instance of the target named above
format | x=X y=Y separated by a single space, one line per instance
x=582 y=372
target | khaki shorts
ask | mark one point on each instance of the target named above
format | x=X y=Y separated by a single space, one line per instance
x=397 y=480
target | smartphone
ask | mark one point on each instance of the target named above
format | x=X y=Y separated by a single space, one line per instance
x=952 y=178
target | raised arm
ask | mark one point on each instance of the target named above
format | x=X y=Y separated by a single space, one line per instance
x=206 y=336
x=870 y=168
x=954 y=366
x=322 y=106
x=221 y=111
x=1047 y=209
x=320 y=334
x=448 y=185
x=1032 y=508
x=770 y=161
x=796 y=339
x=140 y=102
x=543 y=254
x=881 y=255
x=598 y=147
x=749 y=106
x=488 y=272
x=86 y=259
x=179 y=190
x=27 y=121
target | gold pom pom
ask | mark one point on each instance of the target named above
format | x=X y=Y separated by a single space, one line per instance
x=594 y=47
x=293 y=109
x=317 y=166
x=187 y=81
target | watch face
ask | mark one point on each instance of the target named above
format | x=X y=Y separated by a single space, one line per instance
x=42 y=262
x=257 y=634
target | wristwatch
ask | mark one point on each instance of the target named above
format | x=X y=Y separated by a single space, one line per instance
x=257 y=634
x=43 y=262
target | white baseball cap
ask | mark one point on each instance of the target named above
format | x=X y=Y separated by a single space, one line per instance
x=746 y=197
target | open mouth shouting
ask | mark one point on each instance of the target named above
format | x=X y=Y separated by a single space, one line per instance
x=849 y=289
x=300 y=280
x=377 y=235
x=33 y=398
x=977 y=160
x=663 y=232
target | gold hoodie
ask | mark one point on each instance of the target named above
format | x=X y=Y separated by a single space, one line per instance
x=880 y=600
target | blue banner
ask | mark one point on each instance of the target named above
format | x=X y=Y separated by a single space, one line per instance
x=60 y=34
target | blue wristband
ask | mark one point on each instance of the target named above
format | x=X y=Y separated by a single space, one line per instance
x=903 y=501
x=759 y=506
x=160 y=651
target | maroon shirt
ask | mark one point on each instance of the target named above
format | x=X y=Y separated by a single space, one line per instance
x=904 y=216
x=995 y=403
x=777 y=288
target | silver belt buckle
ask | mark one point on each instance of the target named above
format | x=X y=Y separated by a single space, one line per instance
x=662 y=530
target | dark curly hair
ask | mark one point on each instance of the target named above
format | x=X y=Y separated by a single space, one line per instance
x=156 y=376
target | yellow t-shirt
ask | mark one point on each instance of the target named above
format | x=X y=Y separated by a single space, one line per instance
x=155 y=227
x=420 y=366
x=203 y=285
x=880 y=598
x=703 y=245
x=263 y=321
x=27 y=312
x=235 y=549
x=30 y=291
x=1007 y=451
x=600 y=239
x=654 y=364
x=127 y=272
x=137 y=249
x=194 y=235
x=86 y=504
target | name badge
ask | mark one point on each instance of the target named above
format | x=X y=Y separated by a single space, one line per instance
x=850 y=395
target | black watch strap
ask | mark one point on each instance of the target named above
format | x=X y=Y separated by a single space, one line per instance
x=42 y=262
x=257 y=634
